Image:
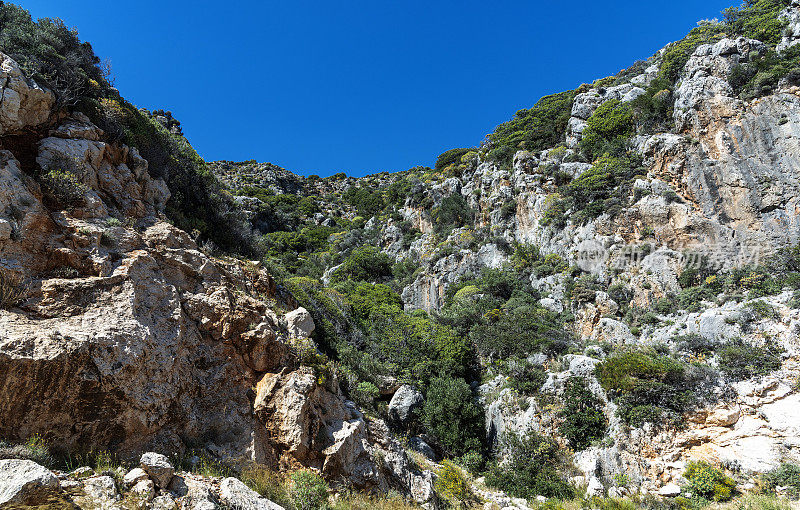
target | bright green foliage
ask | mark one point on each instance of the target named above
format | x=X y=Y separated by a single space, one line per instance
x=453 y=417
x=785 y=475
x=646 y=386
x=740 y=360
x=608 y=129
x=708 y=482
x=308 y=490
x=677 y=54
x=535 y=129
x=757 y=19
x=364 y=264
x=415 y=347
x=761 y=76
x=364 y=298
x=533 y=468
x=367 y=202
x=584 y=421
x=452 y=486
x=64 y=186
x=603 y=187
x=451 y=157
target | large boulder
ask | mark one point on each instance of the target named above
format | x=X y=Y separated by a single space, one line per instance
x=238 y=496
x=299 y=323
x=24 y=103
x=158 y=467
x=404 y=403
x=24 y=482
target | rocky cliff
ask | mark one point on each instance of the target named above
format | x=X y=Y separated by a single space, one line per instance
x=661 y=222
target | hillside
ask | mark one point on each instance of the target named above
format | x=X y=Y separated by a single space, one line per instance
x=599 y=305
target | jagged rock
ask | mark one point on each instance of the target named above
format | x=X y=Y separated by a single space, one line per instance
x=163 y=502
x=404 y=403
x=101 y=490
x=24 y=482
x=24 y=103
x=144 y=489
x=134 y=476
x=238 y=496
x=158 y=468
x=299 y=323
x=595 y=487
x=418 y=445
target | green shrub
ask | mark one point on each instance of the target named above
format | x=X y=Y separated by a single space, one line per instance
x=451 y=485
x=364 y=264
x=64 y=186
x=367 y=202
x=267 y=483
x=525 y=378
x=308 y=490
x=582 y=415
x=365 y=394
x=12 y=290
x=785 y=475
x=761 y=76
x=533 y=467
x=453 y=212
x=452 y=416
x=646 y=386
x=708 y=482
x=51 y=53
x=536 y=129
x=677 y=54
x=502 y=334
x=453 y=156
x=740 y=360
x=599 y=189
x=757 y=19
x=608 y=129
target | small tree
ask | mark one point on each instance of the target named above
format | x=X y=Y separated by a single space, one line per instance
x=452 y=415
x=583 y=416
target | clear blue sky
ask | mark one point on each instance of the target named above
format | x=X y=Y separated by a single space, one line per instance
x=361 y=86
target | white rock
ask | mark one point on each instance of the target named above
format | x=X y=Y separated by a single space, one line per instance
x=299 y=323
x=134 y=476
x=595 y=487
x=669 y=491
x=144 y=489
x=23 y=482
x=158 y=467
x=238 y=496
x=101 y=489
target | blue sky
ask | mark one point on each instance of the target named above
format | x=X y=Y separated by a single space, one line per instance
x=361 y=86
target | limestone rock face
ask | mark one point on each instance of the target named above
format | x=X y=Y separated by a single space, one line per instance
x=23 y=103
x=24 y=482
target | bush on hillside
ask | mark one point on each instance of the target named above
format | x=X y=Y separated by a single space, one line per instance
x=740 y=360
x=308 y=490
x=366 y=264
x=52 y=54
x=584 y=421
x=608 y=129
x=708 y=482
x=451 y=485
x=533 y=468
x=453 y=417
x=534 y=129
x=785 y=475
